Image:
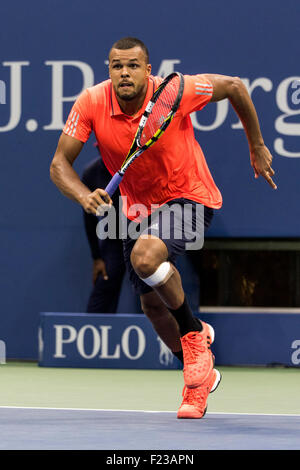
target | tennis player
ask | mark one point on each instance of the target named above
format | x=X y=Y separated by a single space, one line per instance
x=172 y=173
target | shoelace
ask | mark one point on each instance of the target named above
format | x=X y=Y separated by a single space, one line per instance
x=193 y=346
x=192 y=396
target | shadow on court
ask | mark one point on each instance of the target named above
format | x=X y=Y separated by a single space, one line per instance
x=67 y=429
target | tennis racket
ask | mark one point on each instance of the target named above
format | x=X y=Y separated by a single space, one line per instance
x=156 y=118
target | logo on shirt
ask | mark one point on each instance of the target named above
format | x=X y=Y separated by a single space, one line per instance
x=203 y=89
x=72 y=123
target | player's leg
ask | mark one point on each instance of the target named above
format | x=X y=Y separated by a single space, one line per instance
x=194 y=403
x=149 y=258
x=162 y=321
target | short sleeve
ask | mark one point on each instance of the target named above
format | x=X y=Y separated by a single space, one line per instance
x=197 y=93
x=79 y=123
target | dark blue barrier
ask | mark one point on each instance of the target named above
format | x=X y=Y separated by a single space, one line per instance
x=129 y=341
x=256 y=338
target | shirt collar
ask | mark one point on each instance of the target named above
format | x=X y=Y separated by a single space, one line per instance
x=115 y=109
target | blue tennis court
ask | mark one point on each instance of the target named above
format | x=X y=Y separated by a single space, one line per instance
x=79 y=429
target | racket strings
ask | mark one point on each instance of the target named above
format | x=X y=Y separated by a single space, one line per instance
x=161 y=109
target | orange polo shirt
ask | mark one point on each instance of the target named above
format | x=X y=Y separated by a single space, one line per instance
x=175 y=167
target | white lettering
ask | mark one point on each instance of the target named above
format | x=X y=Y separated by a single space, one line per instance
x=287 y=95
x=15 y=94
x=296 y=354
x=58 y=99
x=296 y=94
x=281 y=125
x=66 y=334
x=2 y=92
x=2 y=352
x=105 y=343
x=40 y=343
x=279 y=148
x=118 y=460
x=60 y=340
x=141 y=342
x=96 y=341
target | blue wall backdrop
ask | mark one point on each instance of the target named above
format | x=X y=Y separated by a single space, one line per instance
x=50 y=50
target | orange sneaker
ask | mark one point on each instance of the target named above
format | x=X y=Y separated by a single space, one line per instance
x=194 y=404
x=198 y=359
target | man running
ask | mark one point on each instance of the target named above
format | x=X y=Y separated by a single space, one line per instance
x=179 y=176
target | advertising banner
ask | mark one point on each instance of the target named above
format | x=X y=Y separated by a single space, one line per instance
x=102 y=341
x=129 y=341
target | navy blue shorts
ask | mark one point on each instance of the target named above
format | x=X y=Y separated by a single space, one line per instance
x=179 y=223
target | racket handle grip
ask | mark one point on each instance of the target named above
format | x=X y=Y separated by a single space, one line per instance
x=114 y=183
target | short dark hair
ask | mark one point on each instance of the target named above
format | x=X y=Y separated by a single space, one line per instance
x=129 y=43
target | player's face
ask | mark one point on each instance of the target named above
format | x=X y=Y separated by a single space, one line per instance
x=129 y=71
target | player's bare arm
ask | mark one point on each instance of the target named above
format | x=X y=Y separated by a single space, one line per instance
x=67 y=180
x=234 y=89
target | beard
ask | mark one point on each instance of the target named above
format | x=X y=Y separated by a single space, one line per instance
x=126 y=96
x=130 y=94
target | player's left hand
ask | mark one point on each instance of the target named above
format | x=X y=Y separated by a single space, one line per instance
x=261 y=161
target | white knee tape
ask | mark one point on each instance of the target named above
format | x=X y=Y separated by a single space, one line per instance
x=161 y=275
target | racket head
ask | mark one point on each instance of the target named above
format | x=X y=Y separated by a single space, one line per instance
x=160 y=110
x=158 y=114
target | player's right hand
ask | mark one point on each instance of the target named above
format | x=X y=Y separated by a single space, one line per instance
x=97 y=202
